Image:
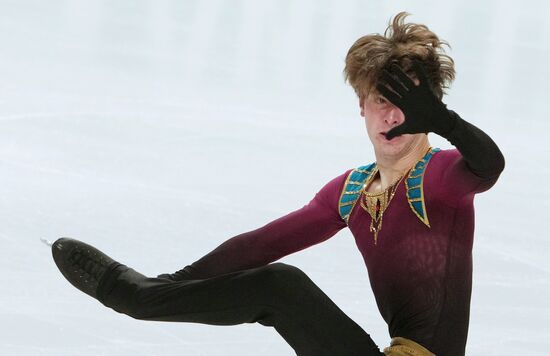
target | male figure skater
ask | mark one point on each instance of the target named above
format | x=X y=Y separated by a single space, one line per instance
x=411 y=213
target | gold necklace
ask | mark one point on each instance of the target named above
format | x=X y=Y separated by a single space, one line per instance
x=376 y=203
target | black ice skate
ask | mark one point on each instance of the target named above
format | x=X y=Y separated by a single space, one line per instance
x=82 y=265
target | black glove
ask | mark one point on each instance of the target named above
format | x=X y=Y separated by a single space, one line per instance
x=424 y=112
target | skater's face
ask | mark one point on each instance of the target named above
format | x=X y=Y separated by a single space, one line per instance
x=380 y=116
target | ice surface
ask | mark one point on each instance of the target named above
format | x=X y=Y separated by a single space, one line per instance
x=151 y=129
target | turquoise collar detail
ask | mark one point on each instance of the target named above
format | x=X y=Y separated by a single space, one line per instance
x=360 y=177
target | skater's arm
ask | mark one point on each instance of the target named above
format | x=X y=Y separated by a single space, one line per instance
x=472 y=168
x=314 y=223
x=481 y=162
x=481 y=154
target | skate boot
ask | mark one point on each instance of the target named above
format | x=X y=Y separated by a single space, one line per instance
x=82 y=265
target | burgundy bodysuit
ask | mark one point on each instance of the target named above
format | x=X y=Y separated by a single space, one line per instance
x=421 y=276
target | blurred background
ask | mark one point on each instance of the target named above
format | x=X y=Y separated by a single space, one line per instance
x=155 y=130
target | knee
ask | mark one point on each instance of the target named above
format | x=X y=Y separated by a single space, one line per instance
x=284 y=278
x=283 y=272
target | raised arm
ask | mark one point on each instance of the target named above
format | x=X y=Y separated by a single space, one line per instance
x=481 y=161
x=473 y=167
x=314 y=223
x=482 y=155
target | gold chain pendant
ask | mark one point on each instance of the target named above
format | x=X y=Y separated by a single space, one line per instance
x=376 y=203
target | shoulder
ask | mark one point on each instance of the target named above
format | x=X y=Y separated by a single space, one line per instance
x=447 y=155
x=353 y=177
x=335 y=185
x=453 y=179
x=352 y=187
x=330 y=194
x=442 y=159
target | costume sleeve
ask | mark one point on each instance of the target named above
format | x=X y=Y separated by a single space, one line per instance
x=314 y=223
x=477 y=164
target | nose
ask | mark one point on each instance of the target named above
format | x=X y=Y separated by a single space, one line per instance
x=394 y=116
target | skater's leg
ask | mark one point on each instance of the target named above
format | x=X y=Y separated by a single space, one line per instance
x=277 y=295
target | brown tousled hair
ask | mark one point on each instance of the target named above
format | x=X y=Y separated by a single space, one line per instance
x=401 y=44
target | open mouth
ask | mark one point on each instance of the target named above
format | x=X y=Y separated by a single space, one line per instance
x=383 y=134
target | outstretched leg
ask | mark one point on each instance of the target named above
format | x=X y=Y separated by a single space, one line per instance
x=277 y=295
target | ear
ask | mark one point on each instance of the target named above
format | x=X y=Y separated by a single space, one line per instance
x=361 y=105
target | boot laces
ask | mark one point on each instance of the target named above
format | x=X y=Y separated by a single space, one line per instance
x=88 y=263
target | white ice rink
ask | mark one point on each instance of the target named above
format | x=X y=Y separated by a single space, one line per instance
x=153 y=129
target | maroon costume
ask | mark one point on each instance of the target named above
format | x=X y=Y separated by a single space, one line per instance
x=421 y=276
x=420 y=269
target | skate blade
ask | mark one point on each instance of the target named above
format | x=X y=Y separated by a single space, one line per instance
x=47 y=242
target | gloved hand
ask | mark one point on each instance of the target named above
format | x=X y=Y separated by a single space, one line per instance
x=423 y=110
